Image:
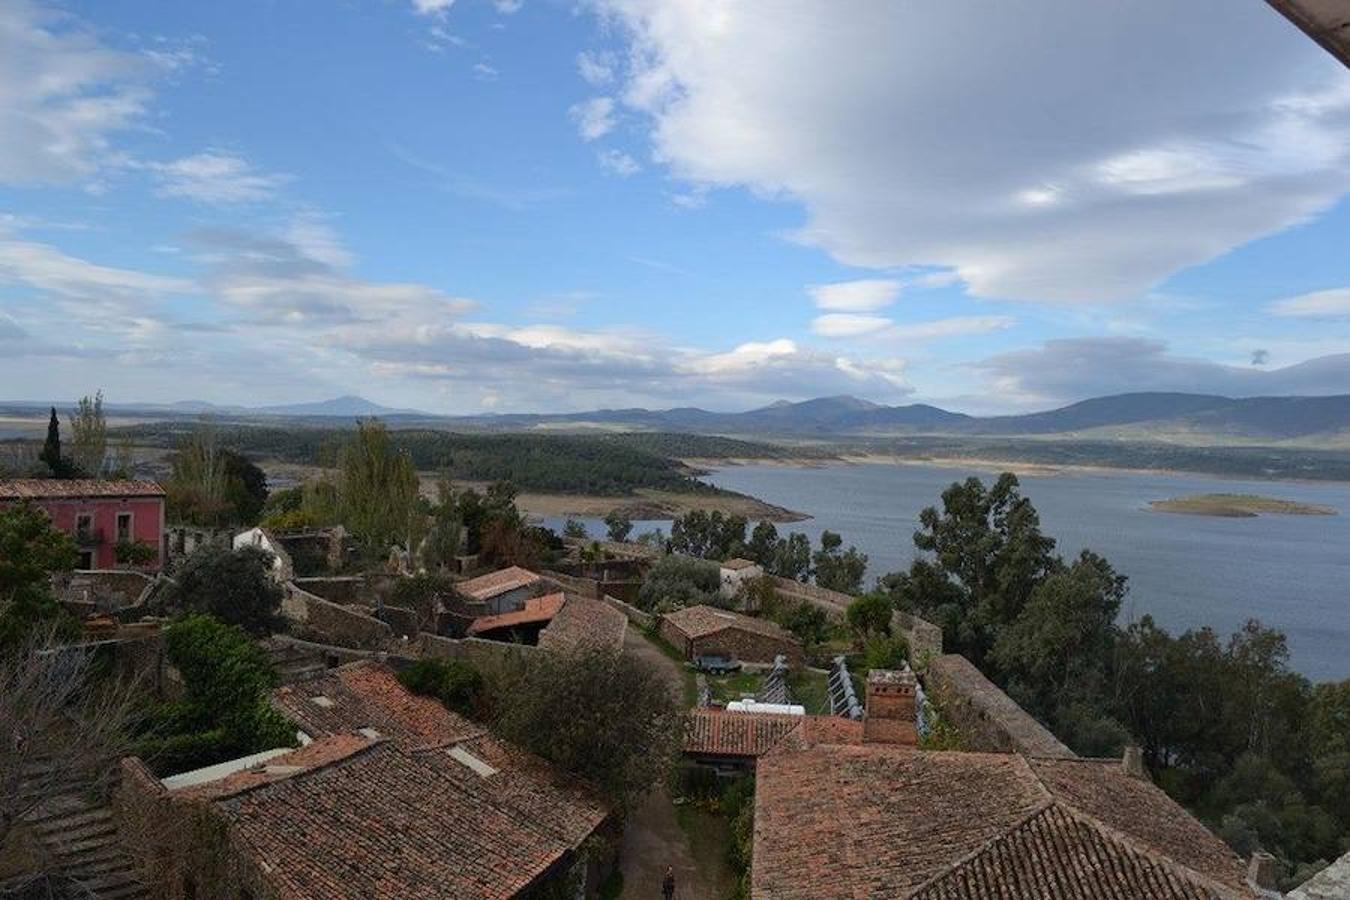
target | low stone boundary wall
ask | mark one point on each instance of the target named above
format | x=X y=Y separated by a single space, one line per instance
x=585 y=587
x=988 y=718
x=924 y=638
x=475 y=651
x=331 y=623
x=636 y=616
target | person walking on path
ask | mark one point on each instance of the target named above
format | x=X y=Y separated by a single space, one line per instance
x=668 y=884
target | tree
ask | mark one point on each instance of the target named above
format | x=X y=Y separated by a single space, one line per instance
x=987 y=555
x=838 y=570
x=1065 y=635
x=679 y=581
x=225 y=711
x=235 y=586
x=606 y=717
x=31 y=550
x=792 y=558
x=619 y=526
x=443 y=540
x=575 y=529
x=65 y=726
x=90 y=432
x=457 y=685
x=196 y=489
x=808 y=622
x=377 y=489
x=245 y=488
x=763 y=544
x=708 y=535
x=870 y=614
x=51 y=457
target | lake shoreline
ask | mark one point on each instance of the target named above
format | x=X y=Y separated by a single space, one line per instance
x=992 y=465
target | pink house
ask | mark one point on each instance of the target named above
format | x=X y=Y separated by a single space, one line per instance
x=98 y=515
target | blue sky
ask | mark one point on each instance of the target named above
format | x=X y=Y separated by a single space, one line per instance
x=542 y=205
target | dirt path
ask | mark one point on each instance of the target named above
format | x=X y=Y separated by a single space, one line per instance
x=652 y=838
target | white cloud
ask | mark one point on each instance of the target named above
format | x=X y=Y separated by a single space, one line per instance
x=432 y=7
x=594 y=117
x=618 y=162
x=1318 y=304
x=484 y=72
x=850 y=325
x=596 y=69
x=956 y=326
x=856 y=296
x=508 y=7
x=46 y=268
x=63 y=95
x=1051 y=164
x=839 y=325
x=1063 y=371
x=216 y=177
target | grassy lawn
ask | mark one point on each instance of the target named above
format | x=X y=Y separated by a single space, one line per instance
x=726 y=688
x=709 y=836
x=810 y=689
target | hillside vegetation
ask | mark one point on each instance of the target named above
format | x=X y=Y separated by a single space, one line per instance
x=609 y=466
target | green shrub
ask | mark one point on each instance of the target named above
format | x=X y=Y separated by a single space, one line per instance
x=457 y=685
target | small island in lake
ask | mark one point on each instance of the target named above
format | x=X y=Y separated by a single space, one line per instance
x=1238 y=506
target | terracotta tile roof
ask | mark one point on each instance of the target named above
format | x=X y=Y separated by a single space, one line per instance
x=716 y=732
x=585 y=622
x=74 y=488
x=433 y=808
x=368 y=695
x=537 y=609
x=701 y=621
x=390 y=823
x=1057 y=853
x=490 y=585
x=873 y=821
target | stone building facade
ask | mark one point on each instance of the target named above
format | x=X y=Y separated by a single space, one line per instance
x=707 y=631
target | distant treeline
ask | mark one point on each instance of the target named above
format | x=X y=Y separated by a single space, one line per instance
x=1238 y=462
x=608 y=465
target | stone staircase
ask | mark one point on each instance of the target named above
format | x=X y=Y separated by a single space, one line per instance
x=81 y=836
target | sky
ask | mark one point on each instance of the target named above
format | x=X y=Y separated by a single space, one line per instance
x=536 y=205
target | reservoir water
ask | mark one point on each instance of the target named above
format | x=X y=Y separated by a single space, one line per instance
x=1292 y=572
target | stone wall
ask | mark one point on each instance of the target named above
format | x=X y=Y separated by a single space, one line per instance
x=924 y=638
x=737 y=643
x=183 y=848
x=476 y=652
x=108 y=590
x=987 y=718
x=573 y=584
x=636 y=616
x=320 y=620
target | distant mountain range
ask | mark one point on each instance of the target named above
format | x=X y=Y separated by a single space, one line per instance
x=1171 y=416
x=1199 y=419
x=347 y=406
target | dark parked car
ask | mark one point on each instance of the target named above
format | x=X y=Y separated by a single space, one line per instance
x=717 y=665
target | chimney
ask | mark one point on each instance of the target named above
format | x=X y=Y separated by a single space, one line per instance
x=889 y=716
x=1263 y=872
x=1133 y=762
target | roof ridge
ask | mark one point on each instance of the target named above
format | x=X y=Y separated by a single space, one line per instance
x=305 y=771
x=1111 y=835
x=982 y=848
x=1129 y=842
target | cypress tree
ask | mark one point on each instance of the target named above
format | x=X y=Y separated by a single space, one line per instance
x=51 y=450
